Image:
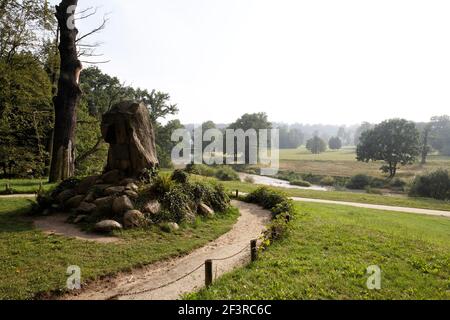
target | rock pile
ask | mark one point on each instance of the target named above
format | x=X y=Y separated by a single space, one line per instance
x=108 y=199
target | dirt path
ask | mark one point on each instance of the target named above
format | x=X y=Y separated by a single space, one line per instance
x=24 y=196
x=56 y=224
x=249 y=226
x=378 y=207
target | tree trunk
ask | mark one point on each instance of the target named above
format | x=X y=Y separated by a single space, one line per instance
x=67 y=99
x=425 y=147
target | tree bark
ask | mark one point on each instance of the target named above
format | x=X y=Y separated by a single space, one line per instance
x=67 y=98
x=425 y=147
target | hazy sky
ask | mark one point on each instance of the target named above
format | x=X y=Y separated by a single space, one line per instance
x=300 y=61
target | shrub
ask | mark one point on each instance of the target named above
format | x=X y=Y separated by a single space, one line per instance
x=266 y=197
x=398 y=183
x=281 y=207
x=66 y=185
x=360 y=181
x=370 y=190
x=300 y=183
x=212 y=195
x=226 y=173
x=201 y=170
x=434 y=185
x=161 y=185
x=178 y=205
x=327 y=181
x=249 y=179
x=377 y=183
x=180 y=176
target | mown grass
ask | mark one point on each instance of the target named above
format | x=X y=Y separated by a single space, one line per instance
x=343 y=163
x=25 y=186
x=33 y=262
x=329 y=249
x=397 y=201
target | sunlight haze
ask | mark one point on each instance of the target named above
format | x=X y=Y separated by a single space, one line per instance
x=329 y=62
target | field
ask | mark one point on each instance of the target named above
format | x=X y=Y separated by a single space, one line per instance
x=397 y=201
x=33 y=262
x=343 y=163
x=24 y=186
x=329 y=249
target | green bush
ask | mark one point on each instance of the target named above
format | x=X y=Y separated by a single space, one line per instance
x=212 y=195
x=226 y=173
x=161 y=185
x=327 y=181
x=359 y=182
x=371 y=190
x=433 y=185
x=377 y=183
x=398 y=183
x=180 y=176
x=66 y=185
x=178 y=205
x=281 y=207
x=201 y=170
x=300 y=183
x=266 y=197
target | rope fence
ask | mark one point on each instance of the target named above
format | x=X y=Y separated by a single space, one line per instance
x=208 y=264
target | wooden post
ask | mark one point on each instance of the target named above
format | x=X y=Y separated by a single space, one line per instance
x=237 y=194
x=208 y=272
x=254 y=250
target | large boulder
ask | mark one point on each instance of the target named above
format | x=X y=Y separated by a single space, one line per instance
x=112 y=177
x=85 y=208
x=152 y=207
x=107 y=226
x=74 y=202
x=128 y=130
x=114 y=190
x=131 y=194
x=121 y=205
x=85 y=184
x=104 y=204
x=134 y=219
x=205 y=210
x=66 y=195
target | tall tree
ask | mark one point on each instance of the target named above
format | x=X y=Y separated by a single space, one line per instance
x=440 y=134
x=335 y=143
x=316 y=145
x=68 y=96
x=396 y=142
x=425 y=143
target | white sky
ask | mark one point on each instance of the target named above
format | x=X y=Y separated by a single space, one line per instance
x=300 y=61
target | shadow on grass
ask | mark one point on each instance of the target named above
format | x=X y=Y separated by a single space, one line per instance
x=14 y=215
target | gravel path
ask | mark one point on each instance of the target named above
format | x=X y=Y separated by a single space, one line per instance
x=249 y=226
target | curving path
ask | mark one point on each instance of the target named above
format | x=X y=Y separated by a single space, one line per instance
x=249 y=226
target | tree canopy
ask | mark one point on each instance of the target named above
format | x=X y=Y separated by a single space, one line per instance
x=396 y=142
x=316 y=145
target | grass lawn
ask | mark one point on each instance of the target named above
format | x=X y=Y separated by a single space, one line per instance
x=343 y=163
x=24 y=186
x=329 y=249
x=397 y=201
x=33 y=262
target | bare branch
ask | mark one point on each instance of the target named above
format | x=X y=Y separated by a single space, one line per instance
x=98 y=29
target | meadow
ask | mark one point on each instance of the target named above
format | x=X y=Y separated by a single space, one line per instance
x=34 y=263
x=342 y=163
x=328 y=250
x=25 y=186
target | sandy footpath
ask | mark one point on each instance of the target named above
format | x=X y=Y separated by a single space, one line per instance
x=249 y=226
